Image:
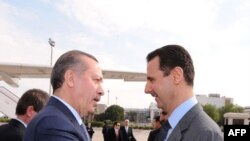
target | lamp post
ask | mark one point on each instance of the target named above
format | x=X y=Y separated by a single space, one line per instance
x=52 y=44
x=108 y=99
x=116 y=99
x=51 y=54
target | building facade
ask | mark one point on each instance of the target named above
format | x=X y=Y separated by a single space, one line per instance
x=214 y=99
x=147 y=115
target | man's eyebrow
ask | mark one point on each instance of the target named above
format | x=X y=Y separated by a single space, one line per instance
x=150 y=78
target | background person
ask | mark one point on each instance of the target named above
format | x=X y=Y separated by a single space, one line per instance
x=76 y=80
x=105 y=129
x=156 y=125
x=163 y=117
x=170 y=76
x=90 y=130
x=127 y=132
x=29 y=104
x=114 y=133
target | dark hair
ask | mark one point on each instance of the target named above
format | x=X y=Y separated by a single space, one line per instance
x=172 y=56
x=33 y=97
x=157 y=118
x=164 y=113
x=69 y=60
x=115 y=123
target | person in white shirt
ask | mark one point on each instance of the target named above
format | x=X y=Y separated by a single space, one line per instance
x=127 y=132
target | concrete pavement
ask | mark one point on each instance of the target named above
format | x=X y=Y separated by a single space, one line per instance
x=140 y=135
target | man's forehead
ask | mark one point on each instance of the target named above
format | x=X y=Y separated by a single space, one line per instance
x=153 y=64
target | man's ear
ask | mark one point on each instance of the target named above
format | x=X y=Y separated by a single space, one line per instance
x=177 y=74
x=69 y=78
x=30 y=111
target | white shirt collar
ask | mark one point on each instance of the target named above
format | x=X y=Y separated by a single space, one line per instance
x=25 y=125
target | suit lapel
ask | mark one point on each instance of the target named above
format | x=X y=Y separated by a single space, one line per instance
x=129 y=130
x=176 y=135
x=17 y=123
x=184 y=123
x=61 y=107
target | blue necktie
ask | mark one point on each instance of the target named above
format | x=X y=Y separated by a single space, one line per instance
x=163 y=131
x=85 y=133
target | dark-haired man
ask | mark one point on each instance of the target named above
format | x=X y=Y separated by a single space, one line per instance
x=170 y=79
x=30 y=103
x=156 y=125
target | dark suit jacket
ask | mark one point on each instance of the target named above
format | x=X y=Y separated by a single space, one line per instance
x=105 y=130
x=152 y=134
x=54 y=122
x=196 y=125
x=112 y=136
x=12 y=131
x=90 y=131
x=127 y=136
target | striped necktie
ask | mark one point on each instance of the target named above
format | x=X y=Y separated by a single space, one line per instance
x=85 y=133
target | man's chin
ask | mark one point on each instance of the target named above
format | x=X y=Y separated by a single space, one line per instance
x=93 y=110
x=159 y=105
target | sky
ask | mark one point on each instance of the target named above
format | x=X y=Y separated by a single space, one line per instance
x=120 y=33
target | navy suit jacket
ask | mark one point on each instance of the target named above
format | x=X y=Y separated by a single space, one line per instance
x=12 y=131
x=54 y=122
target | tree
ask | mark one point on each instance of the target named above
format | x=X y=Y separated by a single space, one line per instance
x=100 y=117
x=115 y=113
x=212 y=111
x=229 y=108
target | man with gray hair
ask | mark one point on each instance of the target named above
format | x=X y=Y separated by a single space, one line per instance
x=127 y=132
x=76 y=80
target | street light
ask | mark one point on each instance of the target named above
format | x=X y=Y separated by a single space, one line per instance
x=108 y=99
x=52 y=44
x=116 y=99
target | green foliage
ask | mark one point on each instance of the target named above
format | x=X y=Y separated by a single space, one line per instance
x=4 y=119
x=212 y=111
x=97 y=124
x=100 y=117
x=229 y=108
x=217 y=114
x=112 y=113
x=115 y=113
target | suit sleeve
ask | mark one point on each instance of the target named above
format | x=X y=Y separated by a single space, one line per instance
x=56 y=129
x=150 y=136
x=208 y=136
x=132 y=135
